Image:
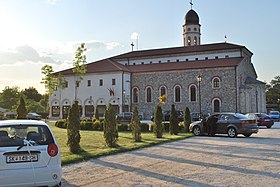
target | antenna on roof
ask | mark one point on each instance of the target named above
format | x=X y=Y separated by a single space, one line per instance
x=132 y=45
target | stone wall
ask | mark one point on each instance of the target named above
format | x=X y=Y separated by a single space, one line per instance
x=185 y=78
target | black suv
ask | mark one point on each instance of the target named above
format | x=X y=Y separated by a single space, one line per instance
x=166 y=115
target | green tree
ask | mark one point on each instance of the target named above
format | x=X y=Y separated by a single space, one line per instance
x=73 y=129
x=9 y=97
x=33 y=106
x=80 y=67
x=32 y=93
x=110 y=127
x=48 y=80
x=21 y=109
x=173 y=121
x=273 y=91
x=136 y=125
x=158 y=117
x=187 y=119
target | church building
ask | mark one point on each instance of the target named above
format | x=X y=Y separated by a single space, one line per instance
x=207 y=78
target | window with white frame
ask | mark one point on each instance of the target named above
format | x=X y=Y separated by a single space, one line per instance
x=192 y=93
x=216 y=105
x=177 y=94
x=216 y=82
x=148 y=94
x=162 y=91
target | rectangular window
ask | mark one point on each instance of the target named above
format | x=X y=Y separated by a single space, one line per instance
x=216 y=57
x=77 y=84
x=100 y=82
x=113 y=82
x=89 y=83
x=66 y=84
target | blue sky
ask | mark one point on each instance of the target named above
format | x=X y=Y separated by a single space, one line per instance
x=38 y=32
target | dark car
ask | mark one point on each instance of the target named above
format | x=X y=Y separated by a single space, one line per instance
x=33 y=116
x=226 y=123
x=262 y=119
x=125 y=117
x=166 y=115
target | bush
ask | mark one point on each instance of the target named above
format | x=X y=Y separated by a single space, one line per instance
x=123 y=127
x=136 y=125
x=61 y=123
x=86 y=125
x=144 y=127
x=96 y=125
x=166 y=126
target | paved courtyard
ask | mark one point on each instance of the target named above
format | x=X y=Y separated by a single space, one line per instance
x=196 y=161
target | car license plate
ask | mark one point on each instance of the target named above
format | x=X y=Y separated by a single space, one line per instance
x=21 y=158
x=266 y=120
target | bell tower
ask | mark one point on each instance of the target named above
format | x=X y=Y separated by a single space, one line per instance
x=191 y=28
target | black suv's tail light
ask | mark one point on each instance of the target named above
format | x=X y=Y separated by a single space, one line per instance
x=52 y=150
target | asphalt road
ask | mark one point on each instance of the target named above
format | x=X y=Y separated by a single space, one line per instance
x=196 y=161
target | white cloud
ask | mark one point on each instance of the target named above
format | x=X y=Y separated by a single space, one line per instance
x=52 y=2
x=23 y=54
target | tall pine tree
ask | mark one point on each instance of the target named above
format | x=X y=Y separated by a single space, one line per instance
x=187 y=119
x=173 y=121
x=158 y=117
x=136 y=125
x=110 y=127
x=73 y=128
x=21 y=109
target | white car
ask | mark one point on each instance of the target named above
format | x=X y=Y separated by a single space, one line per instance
x=29 y=154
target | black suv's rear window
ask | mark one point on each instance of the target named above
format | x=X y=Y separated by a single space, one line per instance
x=13 y=135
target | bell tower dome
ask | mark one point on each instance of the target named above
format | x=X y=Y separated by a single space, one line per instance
x=191 y=29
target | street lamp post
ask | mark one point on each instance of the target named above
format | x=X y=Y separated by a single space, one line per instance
x=123 y=100
x=199 y=79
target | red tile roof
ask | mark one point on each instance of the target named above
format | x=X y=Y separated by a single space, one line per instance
x=106 y=65
x=111 y=64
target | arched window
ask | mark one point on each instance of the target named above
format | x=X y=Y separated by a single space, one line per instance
x=216 y=82
x=189 y=41
x=135 y=94
x=162 y=91
x=177 y=93
x=148 y=94
x=195 y=40
x=193 y=93
x=216 y=105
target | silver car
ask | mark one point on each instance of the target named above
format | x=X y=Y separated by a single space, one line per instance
x=29 y=154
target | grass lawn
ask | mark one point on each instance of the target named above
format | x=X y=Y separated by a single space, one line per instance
x=93 y=143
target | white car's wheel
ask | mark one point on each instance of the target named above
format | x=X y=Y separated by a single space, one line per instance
x=196 y=130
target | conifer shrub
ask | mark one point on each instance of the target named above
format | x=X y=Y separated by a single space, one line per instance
x=135 y=125
x=21 y=109
x=187 y=119
x=173 y=125
x=158 y=117
x=73 y=129
x=110 y=128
